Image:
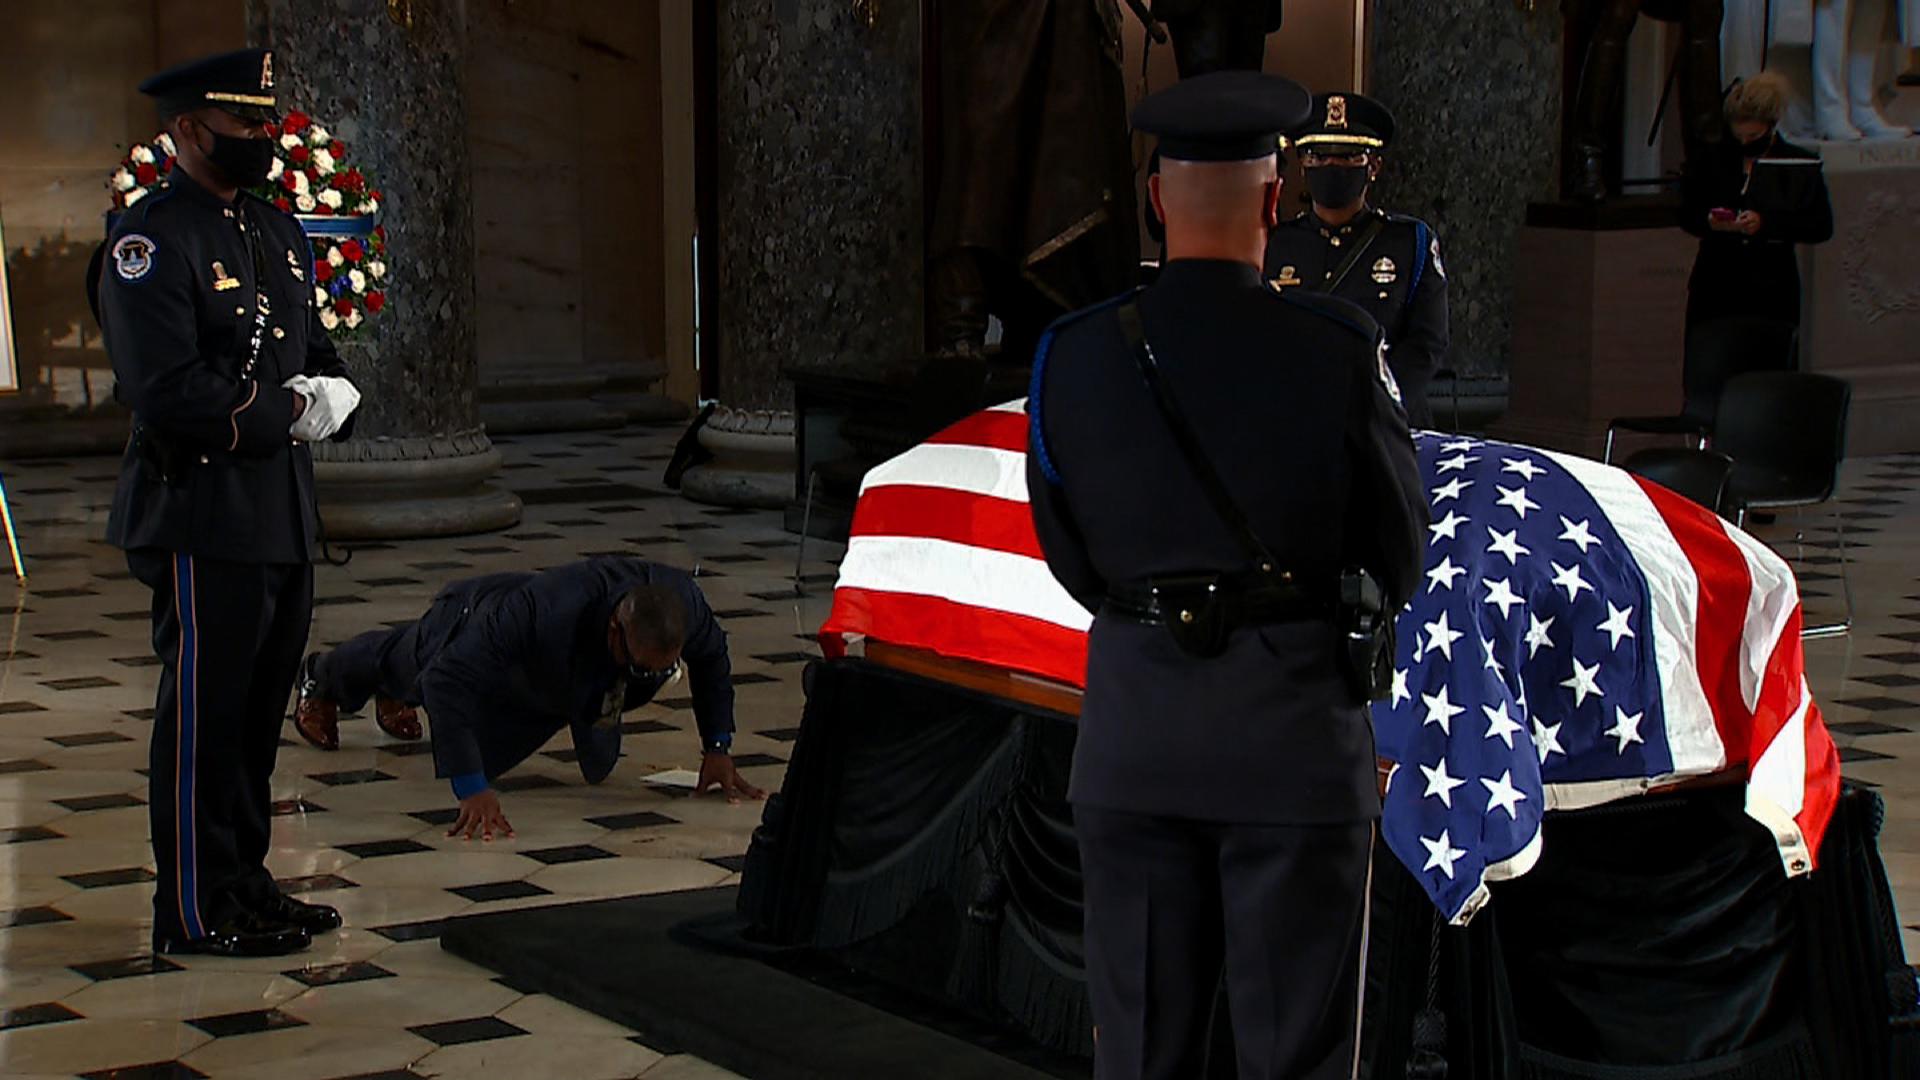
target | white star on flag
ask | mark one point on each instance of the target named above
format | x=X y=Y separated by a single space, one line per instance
x=1441 y=636
x=1500 y=593
x=1625 y=728
x=1442 y=576
x=1500 y=725
x=1577 y=534
x=1440 y=711
x=1546 y=741
x=1442 y=853
x=1457 y=445
x=1439 y=784
x=1516 y=499
x=1447 y=527
x=1502 y=795
x=1450 y=490
x=1537 y=634
x=1583 y=683
x=1400 y=691
x=1568 y=578
x=1492 y=662
x=1507 y=543
x=1457 y=463
x=1523 y=466
x=1616 y=625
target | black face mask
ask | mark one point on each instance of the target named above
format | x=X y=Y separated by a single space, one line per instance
x=1337 y=186
x=1757 y=147
x=244 y=162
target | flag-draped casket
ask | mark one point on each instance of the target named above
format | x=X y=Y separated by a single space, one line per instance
x=1581 y=636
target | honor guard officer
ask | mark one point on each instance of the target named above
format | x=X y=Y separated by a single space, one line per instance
x=1219 y=472
x=1388 y=264
x=206 y=301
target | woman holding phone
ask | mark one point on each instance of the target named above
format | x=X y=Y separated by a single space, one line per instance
x=1750 y=200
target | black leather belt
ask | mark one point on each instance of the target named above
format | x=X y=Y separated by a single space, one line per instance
x=1260 y=604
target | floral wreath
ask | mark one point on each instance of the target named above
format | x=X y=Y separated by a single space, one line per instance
x=335 y=204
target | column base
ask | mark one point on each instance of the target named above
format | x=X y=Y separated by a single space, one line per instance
x=752 y=464
x=412 y=487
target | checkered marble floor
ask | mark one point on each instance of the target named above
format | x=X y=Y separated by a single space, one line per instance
x=362 y=829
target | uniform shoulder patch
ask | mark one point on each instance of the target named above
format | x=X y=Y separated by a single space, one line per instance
x=1387 y=380
x=1433 y=249
x=133 y=256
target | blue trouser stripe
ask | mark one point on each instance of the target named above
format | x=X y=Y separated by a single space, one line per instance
x=187 y=695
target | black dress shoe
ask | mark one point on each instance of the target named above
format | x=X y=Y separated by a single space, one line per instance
x=315 y=919
x=245 y=934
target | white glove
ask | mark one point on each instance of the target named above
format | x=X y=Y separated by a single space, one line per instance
x=330 y=401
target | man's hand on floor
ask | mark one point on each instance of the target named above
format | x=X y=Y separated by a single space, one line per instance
x=480 y=813
x=717 y=771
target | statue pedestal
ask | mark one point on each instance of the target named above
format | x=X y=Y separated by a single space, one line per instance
x=1599 y=319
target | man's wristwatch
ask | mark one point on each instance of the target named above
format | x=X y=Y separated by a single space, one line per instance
x=719 y=744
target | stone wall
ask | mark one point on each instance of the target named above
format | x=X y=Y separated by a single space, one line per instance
x=1475 y=89
x=820 y=214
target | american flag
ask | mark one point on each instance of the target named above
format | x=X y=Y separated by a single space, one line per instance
x=1580 y=636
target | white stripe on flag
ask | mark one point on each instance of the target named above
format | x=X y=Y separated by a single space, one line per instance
x=1692 y=735
x=1018 y=405
x=976 y=577
x=1001 y=474
x=1777 y=787
x=1770 y=602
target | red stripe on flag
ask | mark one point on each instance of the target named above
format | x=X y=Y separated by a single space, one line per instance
x=1720 y=615
x=992 y=429
x=1004 y=640
x=933 y=513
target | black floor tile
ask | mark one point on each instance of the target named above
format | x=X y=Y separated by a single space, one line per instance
x=775 y=597
x=335 y=974
x=137 y=661
x=297 y=806
x=312 y=883
x=735 y=863
x=1891 y=680
x=352 y=776
x=584 y=493
x=9 y=707
x=749 y=761
x=645 y=727
x=788 y=734
x=1864 y=727
x=32 y=916
x=571 y=853
x=526 y=782
x=28 y=834
x=642 y=819
x=98 y=802
x=499 y=890
x=103 y=879
x=413 y=931
x=1877 y=704
x=786 y=657
x=1904 y=659
x=336 y=601
x=72 y=635
x=91 y=738
x=674 y=702
x=228 y=1025
x=104 y=970
x=381 y=848
x=1850 y=754
x=752 y=678
x=436 y=817
x=737 y=614
x=83 y=682
x=457 y=1032
x=408 y=749
x=158 y=1070
x=389 y=582
x=22 y=766
x=51 y=1012
x=442 y=565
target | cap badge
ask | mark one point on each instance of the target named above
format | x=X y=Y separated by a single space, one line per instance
x=266 y=71
x=1337 y=111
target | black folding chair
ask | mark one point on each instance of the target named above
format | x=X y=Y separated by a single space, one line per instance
x=1698 y=475
x=1716 y=350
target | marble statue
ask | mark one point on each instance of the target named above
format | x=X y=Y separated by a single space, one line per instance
x=1845 y=39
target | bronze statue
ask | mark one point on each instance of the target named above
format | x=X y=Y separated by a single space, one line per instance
x=1607 y=24
x=1217 y=35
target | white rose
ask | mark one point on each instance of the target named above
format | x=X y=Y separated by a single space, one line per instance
x=332 y=198
x=166 y=143
x=354 y=319
x=275 y=170
x=288 y=142
x=377 y=269
x=358 y=280
x=371 y=206
x=135 y=195
x=319 y=297
x=304 y=203
x=328 y=319
x=323 y=161
x=300 y=185
x=317 y=136
x=123 y=180
x=334 y=258
x=141 y=155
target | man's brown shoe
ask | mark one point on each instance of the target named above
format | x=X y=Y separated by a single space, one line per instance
x=397 y=719
x=314 y=717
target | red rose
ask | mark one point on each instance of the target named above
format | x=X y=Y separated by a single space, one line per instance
x=273 y=132
x=281 y=202
x=376 y=300
x=313 y=176
x=166 y=163
x=287 y=180
x=296 y=122
x=145 y=173
x=322 y=271
x=343 y=307
x=338 y=149
x=322 y=208
x=351 y=251
x=300 y=154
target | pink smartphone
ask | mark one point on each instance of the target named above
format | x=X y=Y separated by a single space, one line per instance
x=1721 y=213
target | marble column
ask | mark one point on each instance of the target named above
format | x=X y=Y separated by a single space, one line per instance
x=820 y=207
x=387 y=79
x=1475 y=91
